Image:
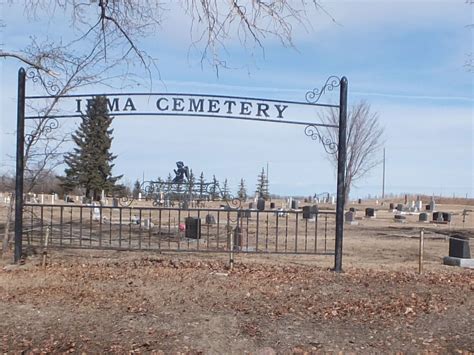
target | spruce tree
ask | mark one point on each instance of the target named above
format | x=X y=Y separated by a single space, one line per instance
x=225 y=191
x=89 y=165
x=137 y=189
x=201 y=185
x=262 y=186
x=213 y=188
x=242 y=190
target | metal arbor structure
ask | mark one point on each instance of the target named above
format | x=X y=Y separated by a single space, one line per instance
x=173 y=105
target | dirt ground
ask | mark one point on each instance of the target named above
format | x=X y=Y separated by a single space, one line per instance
x=123 y=302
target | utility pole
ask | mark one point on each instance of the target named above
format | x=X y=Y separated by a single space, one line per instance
x=383 y=176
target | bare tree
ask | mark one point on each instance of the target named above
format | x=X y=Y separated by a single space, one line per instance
x=109 y=38
x=364 y=140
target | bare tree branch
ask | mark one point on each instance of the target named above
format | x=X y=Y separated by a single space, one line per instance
x=364 y=141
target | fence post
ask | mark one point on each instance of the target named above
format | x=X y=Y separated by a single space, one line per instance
x=420 y=254
x=341 y=167
x=20 y=148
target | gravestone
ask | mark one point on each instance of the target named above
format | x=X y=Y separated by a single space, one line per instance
x=349 y=217
x=294 y=204
x=211 y=219
x=432 y=204
x=352 y=209
x=438 y=217
x=459 y=247
x=115 y=202
x=251 y=205
x=428 y=208
x=391 y=207
x=308 y=212
x=261 y=204
x=370 y=212
x=400 y=218
x=96 y=213
x=272 y=205
x=399 y=207
x=193 y=227
x=359 y=201
x=238 y=240
x=447 y=217
x=423 y=217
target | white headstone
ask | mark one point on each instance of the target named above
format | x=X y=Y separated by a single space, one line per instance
x=42 y=199
x=333 y=200
x=139 y=196
x=52 y=198
x=96 y=213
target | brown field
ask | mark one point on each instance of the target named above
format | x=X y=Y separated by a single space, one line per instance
x=110 y=301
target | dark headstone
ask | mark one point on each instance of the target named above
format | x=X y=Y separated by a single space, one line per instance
x=308 y=212
x=210 y=219
x=238 y=240
x=193 y=227
x=459 y=247
x=438 y=217
x=359 y=201
x=423 y=217
x=349 y=216
x=400 y=207
x=400 y=217
x=251 y=205
x=294 y=204
x=272 y=205
x=260 y=204
x=428 y=208
x=352 y=209
x=391 y=206
x=370 y=212
x=447 y=217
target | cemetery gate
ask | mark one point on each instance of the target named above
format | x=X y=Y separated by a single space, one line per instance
x=230 y=227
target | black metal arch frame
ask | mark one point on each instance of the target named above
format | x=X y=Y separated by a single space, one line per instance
x=311 y=130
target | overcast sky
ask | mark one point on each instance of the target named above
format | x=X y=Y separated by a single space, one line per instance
x=406 y=58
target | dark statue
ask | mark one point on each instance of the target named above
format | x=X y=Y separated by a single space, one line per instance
x=181 y=173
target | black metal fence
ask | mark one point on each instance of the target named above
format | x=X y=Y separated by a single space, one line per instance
x=179 y=230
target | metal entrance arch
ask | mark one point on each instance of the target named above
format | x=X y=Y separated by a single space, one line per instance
x=174 y=104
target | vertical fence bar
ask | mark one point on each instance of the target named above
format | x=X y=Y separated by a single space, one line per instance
x=100 y=225
x=20 y=167
x=316 y=233
x=80 y=225
x=325 y=232
x=159 y=229
x=149 y=228
x=286 y=232
x=120 y=226
x=129 y=228
x=266 y=236
x=276 y=231
x=218 y=229
x=61 y=225
x=341 y=165
x=70 y=225
x=42 y=224
x=256 y=231
x=296 y=232
x=306 y=235
x=110 y=226
x=140 y=228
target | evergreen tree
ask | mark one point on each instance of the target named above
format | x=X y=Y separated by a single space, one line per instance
x=262 y=186
x=242 y=190
x=201 y=185
x=214 y=194
x=225 y=191
x=137 y=189
x=89 y=165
